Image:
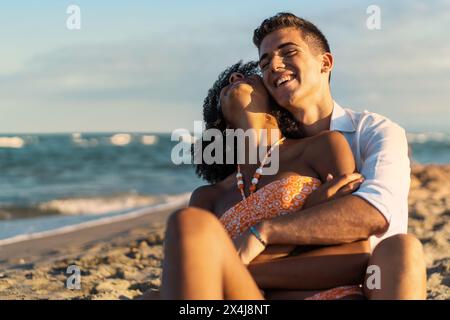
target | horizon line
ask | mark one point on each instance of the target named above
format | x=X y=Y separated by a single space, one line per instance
x=440 y=130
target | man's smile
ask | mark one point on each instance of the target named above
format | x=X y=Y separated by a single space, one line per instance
x=283 y=80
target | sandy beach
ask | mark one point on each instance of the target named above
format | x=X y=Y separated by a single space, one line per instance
x=122 y=260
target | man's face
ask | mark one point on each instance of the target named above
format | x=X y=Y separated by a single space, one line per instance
x=292 y=73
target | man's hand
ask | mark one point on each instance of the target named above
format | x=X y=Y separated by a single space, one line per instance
x=334 y=188
x=248 y=246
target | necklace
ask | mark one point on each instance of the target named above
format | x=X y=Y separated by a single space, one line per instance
x=257 y=174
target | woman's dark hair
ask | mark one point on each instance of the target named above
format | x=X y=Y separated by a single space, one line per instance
x=214 y=119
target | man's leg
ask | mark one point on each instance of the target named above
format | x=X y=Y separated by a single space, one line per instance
x=402 y=268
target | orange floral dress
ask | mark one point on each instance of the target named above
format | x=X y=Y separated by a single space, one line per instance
x=275 y=199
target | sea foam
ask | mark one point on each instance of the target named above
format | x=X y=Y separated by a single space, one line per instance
x=11 y=142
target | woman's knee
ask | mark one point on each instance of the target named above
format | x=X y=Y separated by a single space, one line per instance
x=191 y=219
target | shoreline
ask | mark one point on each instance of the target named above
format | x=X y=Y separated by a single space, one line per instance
x=123 y=259
x=28 y=248
x=93 y=223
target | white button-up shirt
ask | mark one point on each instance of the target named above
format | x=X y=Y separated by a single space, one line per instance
x=381 y=154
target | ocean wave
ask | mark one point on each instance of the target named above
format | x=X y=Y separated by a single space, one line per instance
x=78 y=139
x=89 y=205
x=121 y=139
x=102 y=205
x=424 y=137
x=11 y=142
x=17 y=231
x=149 y=139
x=187 y=138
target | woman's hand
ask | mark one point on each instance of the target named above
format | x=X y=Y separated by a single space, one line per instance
x=334 y=188
x=248 y=247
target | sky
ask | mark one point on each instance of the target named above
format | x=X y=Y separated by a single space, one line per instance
x=146 y=66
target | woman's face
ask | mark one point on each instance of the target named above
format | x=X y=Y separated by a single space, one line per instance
x=243 y=95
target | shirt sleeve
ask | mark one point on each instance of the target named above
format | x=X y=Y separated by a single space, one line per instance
x=385 y=165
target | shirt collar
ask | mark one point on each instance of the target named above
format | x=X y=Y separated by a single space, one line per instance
x=341 y=120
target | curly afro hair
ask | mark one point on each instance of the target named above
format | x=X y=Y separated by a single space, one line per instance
x=214 y=119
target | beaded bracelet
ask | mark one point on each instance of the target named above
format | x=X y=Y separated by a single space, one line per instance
x=257 y=235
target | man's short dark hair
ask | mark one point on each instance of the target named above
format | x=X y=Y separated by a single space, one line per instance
x=309 y=32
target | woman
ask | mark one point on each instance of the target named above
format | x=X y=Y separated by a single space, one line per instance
x=201 y=261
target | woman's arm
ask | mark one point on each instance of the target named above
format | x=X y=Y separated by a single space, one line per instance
x=330 y=153
x=314 y=270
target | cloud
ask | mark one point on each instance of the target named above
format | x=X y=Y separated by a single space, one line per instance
x=401 y=71
x=166 y=66
x=157 y=77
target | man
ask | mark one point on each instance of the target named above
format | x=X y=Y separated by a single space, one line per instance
x=296 y=64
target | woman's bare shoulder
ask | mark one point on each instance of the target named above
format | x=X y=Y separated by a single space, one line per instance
x=324 y=140
x=202 y=195
x=327 y=135
x=316 y=143
x=205 y=196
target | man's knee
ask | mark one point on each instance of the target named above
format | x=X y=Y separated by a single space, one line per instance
x=402 y=264
x=406 y=246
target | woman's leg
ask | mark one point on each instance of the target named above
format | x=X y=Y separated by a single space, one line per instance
x=304 y=275
x=201 y=262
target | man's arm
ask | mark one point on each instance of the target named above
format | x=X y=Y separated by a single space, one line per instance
x=342 y=220
x=385 y=166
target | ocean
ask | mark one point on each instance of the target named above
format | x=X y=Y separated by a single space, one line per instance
x=51 y=181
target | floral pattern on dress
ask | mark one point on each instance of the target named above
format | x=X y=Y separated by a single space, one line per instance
x=277 y=198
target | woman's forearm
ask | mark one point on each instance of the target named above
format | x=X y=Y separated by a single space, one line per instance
x=318 y=269
x=273 y=252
